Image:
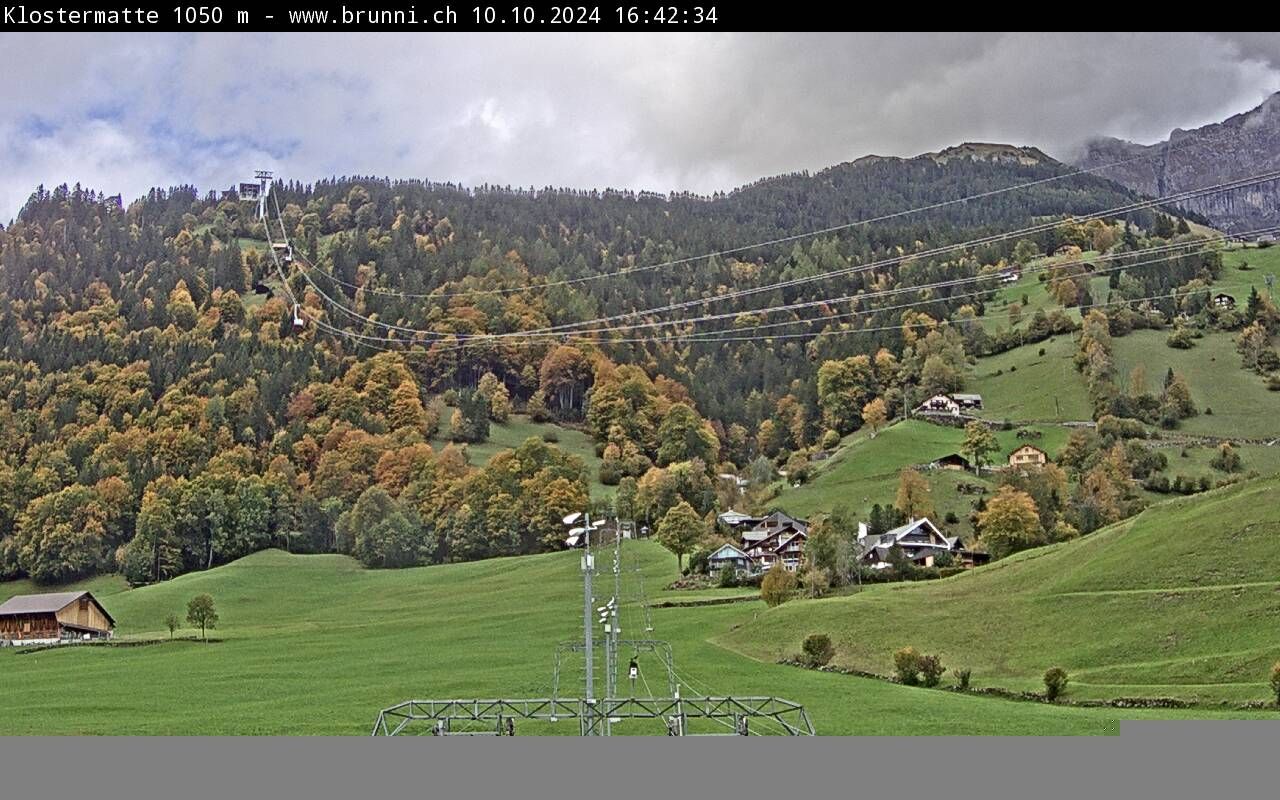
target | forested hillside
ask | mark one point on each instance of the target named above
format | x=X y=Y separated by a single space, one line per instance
x=163 y=412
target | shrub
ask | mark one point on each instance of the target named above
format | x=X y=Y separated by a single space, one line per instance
x=1180 y=339
x=1275 y=681
x=951 y=518
x=728 y=577
x=1055 y=683
x=1042 y=351
x=777 y=586
x=906 y=664
x=830 y=440
x=700 y=561
x=550 y=436
x=816 y=581
x=1226 y=459
x=931 y=670
x=818 y=650
x=962 y=677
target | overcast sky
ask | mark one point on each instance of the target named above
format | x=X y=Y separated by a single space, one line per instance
x=661 y=112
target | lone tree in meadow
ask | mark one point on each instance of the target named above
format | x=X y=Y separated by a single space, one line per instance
x=200 y=612
x=679 y=530
x=171 y=622
x=1055 y=683
x=979 y=442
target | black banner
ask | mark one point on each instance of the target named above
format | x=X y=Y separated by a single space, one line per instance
x=425 y=15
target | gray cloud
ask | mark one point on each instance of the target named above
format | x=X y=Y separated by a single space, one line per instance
x=678 y=111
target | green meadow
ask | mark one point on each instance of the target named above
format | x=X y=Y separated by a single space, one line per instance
x=316 y=645
x=1181 y=602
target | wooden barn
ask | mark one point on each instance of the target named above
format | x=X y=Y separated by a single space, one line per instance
x=53 y=618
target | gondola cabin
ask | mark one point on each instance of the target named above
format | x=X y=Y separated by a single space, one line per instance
x=54 y=618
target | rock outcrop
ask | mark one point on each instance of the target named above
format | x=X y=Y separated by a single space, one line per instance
x=1244 y=145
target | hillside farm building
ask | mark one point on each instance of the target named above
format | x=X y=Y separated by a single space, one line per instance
x=1224 y=301
x=54 y=618
x=939 y=404
x=1028 y=455
x=953 y=461
x=950 y=404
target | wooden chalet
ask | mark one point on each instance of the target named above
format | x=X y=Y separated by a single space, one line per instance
x=1224 y=301
x=919 y=540
x=777 y=538
x=939 y=404
x=784 y=546
x=1028 y=455
x=54 y=618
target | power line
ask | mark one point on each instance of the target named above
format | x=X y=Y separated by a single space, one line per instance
x=783 y=239
x=369 y=340
x=571 y=327
x=1180 y=250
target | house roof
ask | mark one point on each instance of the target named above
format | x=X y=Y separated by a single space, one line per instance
x=1026 y=446
x=959 y=397
x=50 y=603
x=887 y=540
x=727 y=551
x=732 y=517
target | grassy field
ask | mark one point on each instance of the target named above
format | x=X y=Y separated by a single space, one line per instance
x=316 y=645
x=1021 y=384
x=1254 y=458
x=1238 y=397
x=865 y=470
x=1049 y=388
x=1177 y=602
x=511 y=434
x=1033 y=293
x=1245 y=267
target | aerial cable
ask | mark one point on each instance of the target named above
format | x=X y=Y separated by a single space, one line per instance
x=783 y=239
x=398 y=345
x=1178 y=249
x=990 y=239
x=571 y=327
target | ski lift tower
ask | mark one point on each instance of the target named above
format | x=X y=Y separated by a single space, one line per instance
x=263 y=177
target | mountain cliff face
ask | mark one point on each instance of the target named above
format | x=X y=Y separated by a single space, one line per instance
x=1243 y=145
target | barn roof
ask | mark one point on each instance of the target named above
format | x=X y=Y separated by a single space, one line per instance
x=50 y=603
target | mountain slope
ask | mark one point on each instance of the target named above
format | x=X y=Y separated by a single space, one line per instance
x=1242 y=145
x=1180 y=601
